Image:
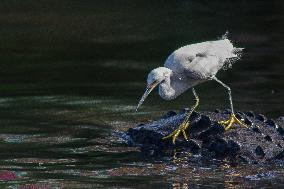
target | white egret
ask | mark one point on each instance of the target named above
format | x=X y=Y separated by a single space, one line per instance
x=189 y=66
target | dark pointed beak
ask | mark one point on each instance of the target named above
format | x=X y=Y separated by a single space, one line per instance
x=148 y=90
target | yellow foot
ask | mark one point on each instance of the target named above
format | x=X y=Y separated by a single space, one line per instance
x=229 y=123
x=175 y=133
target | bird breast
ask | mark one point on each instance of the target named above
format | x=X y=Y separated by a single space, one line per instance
x=174 y=86
x=166 y=91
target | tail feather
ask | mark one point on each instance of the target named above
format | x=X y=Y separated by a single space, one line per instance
x=237 y=50
x=225 y=35
x=237 y=54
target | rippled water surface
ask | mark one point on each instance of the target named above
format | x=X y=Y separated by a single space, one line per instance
x=72 y=73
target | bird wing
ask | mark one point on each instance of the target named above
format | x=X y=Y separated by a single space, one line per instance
x=201 y=60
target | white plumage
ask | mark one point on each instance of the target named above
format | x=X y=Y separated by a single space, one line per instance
x=189 y=66
x=201 y=60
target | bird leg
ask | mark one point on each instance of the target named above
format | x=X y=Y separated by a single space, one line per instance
x=185 y=124
x=229 y=123
x=232 y=119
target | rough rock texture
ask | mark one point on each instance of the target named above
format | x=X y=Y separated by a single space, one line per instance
x=262 y=142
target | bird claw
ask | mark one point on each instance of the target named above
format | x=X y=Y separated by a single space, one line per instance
x=176 y=133
x=229 y=123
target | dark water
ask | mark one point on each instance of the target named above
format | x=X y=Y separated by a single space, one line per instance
x=72 y=72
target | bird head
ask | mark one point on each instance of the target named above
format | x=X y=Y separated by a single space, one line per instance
x=155 y=77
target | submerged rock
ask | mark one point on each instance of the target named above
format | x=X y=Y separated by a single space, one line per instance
x=261 y=142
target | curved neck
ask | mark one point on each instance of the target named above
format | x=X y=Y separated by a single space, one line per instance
x=166 y=90
x=173 y=86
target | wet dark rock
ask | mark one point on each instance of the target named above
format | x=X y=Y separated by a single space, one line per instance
x=248 y=122
x=233 y=148
x=242 y=159
x=280 y=155
x=195 y=115
x=241 y=113
x=209 y=140
x=270 y=123
x=184 y=110
x=219 y=146
x=148 y=150
x=260 y=117
x=268 y=138
x=256 y=129
x=223 y=148
x=227 y=111
x=203 y=122
x=259 y=151
x=169 y=114
x=214 y=130
x=239 y=116
x=250 y=114
x=191 y=145
x=280 y=130
x=195 y=147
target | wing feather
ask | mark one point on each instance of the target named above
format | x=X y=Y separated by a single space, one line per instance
x=200 y=60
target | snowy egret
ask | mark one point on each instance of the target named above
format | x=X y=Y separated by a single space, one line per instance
x=189 y=66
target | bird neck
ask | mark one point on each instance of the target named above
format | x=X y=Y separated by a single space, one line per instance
x=166 y=90
x=174 y=85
